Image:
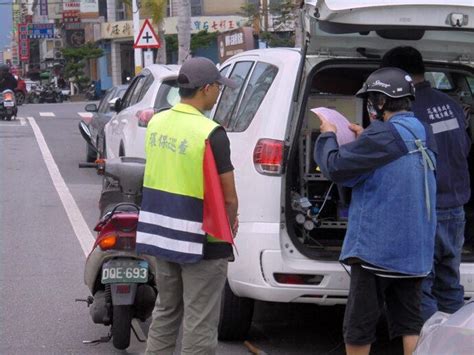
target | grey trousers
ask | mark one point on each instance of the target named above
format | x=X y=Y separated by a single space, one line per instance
x=189 y=294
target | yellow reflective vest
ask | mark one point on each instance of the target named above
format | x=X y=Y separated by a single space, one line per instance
x=171 y=215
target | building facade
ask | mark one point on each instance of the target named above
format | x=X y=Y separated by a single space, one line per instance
x=52 y=25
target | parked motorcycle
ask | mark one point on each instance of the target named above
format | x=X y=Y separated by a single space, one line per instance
x=33 y=96
x=50 y=94
x=121 y=281
x=91 y=93
x=8 y=108
x=66 y=94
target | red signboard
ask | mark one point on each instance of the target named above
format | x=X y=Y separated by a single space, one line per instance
x=23 y=42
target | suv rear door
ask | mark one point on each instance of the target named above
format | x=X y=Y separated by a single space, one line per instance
x=440 y=29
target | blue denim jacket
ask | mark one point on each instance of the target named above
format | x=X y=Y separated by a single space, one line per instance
x=392 y=217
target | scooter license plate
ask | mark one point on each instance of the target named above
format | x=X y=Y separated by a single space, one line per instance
x=8 y=104
x=125 y=271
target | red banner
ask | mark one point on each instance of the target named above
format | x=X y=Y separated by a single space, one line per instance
x=23 y=42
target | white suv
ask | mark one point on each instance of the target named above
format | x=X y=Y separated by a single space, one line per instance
x=152 y=90
x=292 y=220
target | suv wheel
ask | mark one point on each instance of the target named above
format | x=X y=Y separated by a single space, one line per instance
x=236 y=315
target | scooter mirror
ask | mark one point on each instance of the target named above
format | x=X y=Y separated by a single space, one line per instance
x=86 y=134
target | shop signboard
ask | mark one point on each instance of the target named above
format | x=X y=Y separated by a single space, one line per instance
x=124 y=29
x=72 y=19
x=119 y=29
x=40 y=30
x=71 y=5
x=89 y=8
x=23 y=42
x=43 y=7
x=233 y=42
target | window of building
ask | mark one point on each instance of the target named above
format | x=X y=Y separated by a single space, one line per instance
x=196 y=7
x=122 y=11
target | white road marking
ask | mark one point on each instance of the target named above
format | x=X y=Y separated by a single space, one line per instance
x=14 y=123
x=76 y=219
x=85 y=114
x=47 y=114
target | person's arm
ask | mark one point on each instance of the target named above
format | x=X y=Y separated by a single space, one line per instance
x=348 y=164
x=221 y=149
x=230 y=198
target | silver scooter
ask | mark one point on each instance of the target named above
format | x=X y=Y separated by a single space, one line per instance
x=121 y=281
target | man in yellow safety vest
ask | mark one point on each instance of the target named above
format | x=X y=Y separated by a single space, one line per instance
x=192 y=265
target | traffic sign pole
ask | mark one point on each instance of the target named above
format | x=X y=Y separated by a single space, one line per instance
x=136 y=31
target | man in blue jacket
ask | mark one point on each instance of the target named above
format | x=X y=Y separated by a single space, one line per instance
x=441 y=289
x=389 y=242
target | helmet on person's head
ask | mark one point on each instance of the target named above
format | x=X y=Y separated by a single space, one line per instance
x=4 y=68
x=392 y=82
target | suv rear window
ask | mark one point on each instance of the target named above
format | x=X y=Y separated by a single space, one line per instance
x=237 y=107
x=257 y=87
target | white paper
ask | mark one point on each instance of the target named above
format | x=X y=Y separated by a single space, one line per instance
x=343 y=135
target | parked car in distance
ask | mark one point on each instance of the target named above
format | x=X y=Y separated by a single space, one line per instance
x=101 y=114
x=152 y=90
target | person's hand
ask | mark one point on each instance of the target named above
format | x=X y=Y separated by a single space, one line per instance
x=235 y=227
x=356 y=129
x=326 y=126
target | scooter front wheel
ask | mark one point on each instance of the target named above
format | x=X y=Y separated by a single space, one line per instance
x=121 y=326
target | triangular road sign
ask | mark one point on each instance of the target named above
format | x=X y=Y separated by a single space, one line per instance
x=147 y=37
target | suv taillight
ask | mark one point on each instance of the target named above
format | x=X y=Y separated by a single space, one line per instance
x=144 y=116
x=268 y=156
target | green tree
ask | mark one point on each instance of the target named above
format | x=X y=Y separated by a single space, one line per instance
x=75 y=61
x=202 y=39
x=283 y=14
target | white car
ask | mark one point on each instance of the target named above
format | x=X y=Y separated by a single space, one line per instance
x=292 y=219
x=152 y=90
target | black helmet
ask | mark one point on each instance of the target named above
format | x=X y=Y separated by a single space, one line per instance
x=4 y=68
x=389 y=81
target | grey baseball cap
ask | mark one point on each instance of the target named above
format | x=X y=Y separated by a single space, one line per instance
x=199 y=71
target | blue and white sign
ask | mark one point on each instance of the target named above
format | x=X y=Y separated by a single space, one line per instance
x=41 y=30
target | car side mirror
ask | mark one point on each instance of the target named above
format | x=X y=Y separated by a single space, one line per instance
x=91 y=108
x=112 y=103
x=118 y=105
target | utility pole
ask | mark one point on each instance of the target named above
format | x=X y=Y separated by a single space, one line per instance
x=265 y=11
x=136 y=30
